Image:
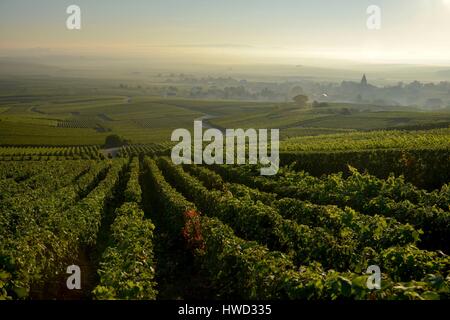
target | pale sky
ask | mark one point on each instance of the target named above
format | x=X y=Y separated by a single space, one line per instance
x=232 y=31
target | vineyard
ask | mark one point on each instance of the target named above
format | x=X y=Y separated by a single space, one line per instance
x=140 y=227
x=213 y=159
x=77 y=124
x=422 y=157
x=14 y=153
x=372 y=140
x=42 y=153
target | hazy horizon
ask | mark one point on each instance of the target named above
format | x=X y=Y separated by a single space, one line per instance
x=316 y=33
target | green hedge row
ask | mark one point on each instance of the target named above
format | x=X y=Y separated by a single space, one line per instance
x=369 y=231
x=170 y=203
x=256 y=221
x=363 y=193
x=127 y=267
x=133 y=192
x=246 y=270
x=265 y=224
x=39 y=252
x=243 y=269
x=425 y=168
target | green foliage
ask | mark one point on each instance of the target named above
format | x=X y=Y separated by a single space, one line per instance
x=170 y=202
x=301 y=100
x=425 y=168
x=293 y=236
x=133 y=191
x=371 y=140
x=247 y=270
x=127 y=267
x=369 y=231
x=114 y=141
x=364 y=193
x=43 y=153
x=40 y=233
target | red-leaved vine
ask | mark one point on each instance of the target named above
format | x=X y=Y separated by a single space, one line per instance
x=192 y=230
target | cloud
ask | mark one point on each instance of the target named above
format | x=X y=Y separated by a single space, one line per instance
x=187 y=46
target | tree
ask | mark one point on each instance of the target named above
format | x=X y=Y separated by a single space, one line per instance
x=114 y=141
x=301 y=100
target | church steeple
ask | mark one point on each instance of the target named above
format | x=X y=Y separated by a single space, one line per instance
x=364 y=81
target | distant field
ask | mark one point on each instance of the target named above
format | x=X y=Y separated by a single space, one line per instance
x=79 y=111
x=86 y=121
x=299 y=132
x=379 y=120
x=19 y=133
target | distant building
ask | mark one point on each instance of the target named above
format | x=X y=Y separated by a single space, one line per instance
x=364 y=81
